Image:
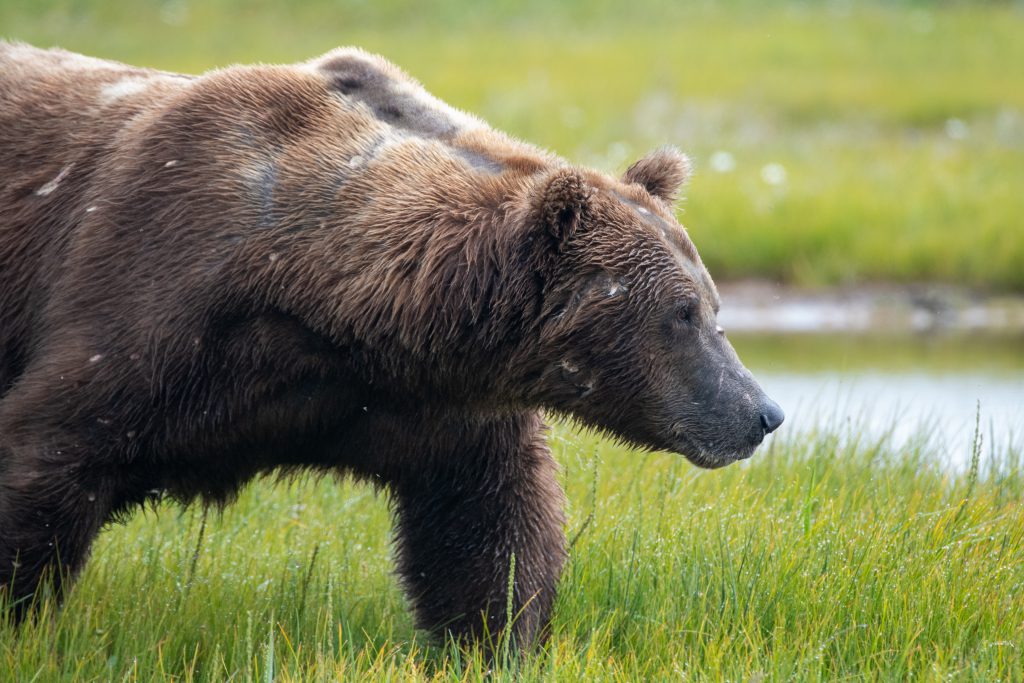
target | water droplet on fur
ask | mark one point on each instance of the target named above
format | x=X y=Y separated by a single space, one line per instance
x=273 y=257
x=171 y=163
x=91 y=497
x=90 y=209
x=52 y=185
x=131 y=434
x=97 y=358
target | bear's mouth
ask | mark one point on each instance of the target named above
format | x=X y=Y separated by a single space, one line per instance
x=713 y=461
x=710 y=456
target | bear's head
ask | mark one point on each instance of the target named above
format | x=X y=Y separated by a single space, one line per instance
x=628 y=335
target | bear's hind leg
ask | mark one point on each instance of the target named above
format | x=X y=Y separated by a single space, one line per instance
x=48 y=520
x=487 y=491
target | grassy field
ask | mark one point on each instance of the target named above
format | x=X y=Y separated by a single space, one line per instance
x=826 y=558
x=835 y=143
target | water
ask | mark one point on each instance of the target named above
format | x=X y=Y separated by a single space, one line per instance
x=909 y=385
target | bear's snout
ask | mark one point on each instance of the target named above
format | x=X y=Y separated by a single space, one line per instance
x=771 y=416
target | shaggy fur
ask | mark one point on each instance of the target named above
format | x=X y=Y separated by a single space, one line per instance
x=322 y=266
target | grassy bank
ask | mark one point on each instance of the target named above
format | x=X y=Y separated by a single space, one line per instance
x=834 y=142
x=825 y=558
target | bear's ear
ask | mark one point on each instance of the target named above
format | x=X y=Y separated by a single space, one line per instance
x=563 y=203
x=661 y=173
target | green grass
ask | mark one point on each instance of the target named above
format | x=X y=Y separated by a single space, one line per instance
x=828 y=557
x=900 y=126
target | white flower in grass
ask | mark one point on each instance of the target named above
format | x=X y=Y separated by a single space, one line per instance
x=723 y=162
x=773 y=174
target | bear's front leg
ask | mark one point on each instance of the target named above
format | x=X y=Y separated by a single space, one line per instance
x=486 y=491
x=49 y=516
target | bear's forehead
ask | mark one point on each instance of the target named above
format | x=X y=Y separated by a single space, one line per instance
x=659 y=249
x=393 y=97
x=653 y=220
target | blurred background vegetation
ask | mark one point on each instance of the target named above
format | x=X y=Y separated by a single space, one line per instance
x=834 y=142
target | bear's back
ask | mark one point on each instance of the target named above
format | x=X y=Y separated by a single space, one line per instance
x=113 y=165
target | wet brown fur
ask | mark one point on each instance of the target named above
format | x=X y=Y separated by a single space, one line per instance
x=320 y=266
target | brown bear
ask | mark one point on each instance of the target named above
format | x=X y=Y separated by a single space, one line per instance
x=204 y=279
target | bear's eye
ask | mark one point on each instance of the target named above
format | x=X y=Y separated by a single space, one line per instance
x=684 y=314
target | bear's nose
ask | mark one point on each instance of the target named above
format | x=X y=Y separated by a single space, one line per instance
x=771 y=416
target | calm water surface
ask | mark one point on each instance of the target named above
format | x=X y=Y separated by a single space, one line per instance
x=909 y=385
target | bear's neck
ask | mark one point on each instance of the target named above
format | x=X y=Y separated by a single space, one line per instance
x=430 y=286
